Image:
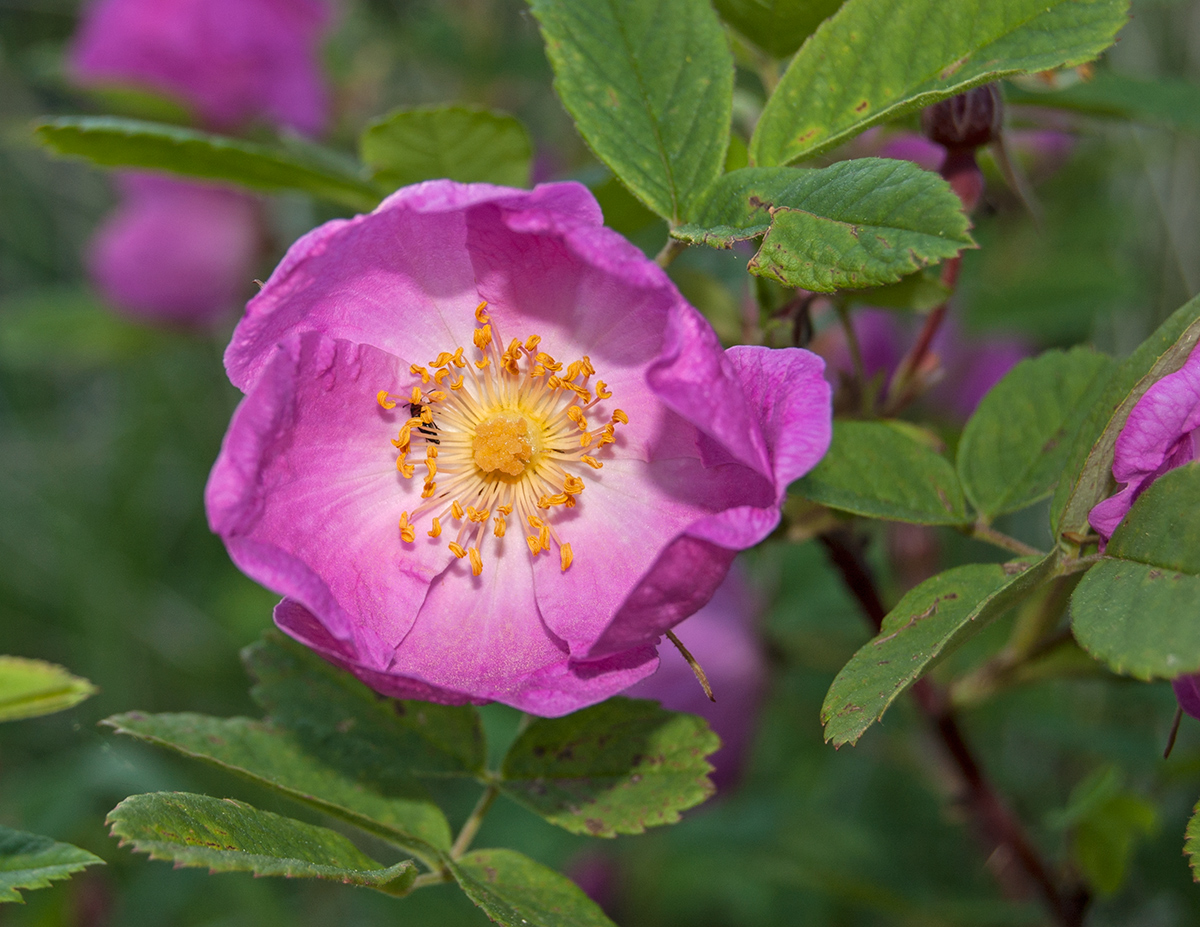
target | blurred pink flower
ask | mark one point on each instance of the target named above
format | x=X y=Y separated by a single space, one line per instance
x=231 y=61
x=971 y=366
x=721 y=636
x=389 y=332
x=174 y=251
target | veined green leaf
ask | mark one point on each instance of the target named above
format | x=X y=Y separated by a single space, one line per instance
x=856 y=223
x=34 y=861
x=650 y=86
x=224 y=835
x=875 y=60
x=133 y=143
x=454 y=142
x=878 y=469
x=514 y=891
x=778 y=27
x=1015 y=444
x=928 y=624
x=614 y=768
x=397 y=809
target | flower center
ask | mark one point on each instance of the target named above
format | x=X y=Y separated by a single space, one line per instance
x=504 y=436
x=504 y=442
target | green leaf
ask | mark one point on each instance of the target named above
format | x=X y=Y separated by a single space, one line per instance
x=778 y=27
x=341 y=722
x=1136 y=610
x=133 y=143
x=230 y=836
x=515 y=891
x=1174 y=104
x=393 y=806
x=1191 y=847
x=917 y=292
x=880 y=470
x=928 y=624
x=878 y=59
x=853 y=224
x=615 y=768
x=1088 y=470
x=650 y=86
x=454 y=142
x=1015 y=444
x=29 y=688
x=34 y=861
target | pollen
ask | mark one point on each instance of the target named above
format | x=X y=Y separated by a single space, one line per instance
x=503 y=442
x=502 y=433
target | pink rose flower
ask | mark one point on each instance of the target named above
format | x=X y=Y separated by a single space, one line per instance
x=487 y=451
x=721 y=636
x=1161 y=433
x=174 y=251
x=232 y=61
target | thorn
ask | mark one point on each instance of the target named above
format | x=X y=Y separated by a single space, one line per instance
x=696 y=667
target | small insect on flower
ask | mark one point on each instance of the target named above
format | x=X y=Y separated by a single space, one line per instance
x=428 y=432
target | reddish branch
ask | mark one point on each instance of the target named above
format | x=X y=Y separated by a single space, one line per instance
x=995 y=822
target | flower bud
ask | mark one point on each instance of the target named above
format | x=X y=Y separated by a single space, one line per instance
x=968 y=120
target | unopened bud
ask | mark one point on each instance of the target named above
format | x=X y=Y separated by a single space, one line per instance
x=968 y=120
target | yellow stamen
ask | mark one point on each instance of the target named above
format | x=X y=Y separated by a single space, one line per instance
x=602 y=390
x=408 y=533
x=535 y=546
x=619 y=416
x=480 y=315
x=544 y=537
x=572 y=485
x=591 y=462
x=457 y=550
x=482 y=337
x=436 y=530
x=415 y=399
x=419 y=371
x=566 y=556
x=382 y=398
x=476 y=561
x=406 y=468
x=456 y=510
x=498 y=531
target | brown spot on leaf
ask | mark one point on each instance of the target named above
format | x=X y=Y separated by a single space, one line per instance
x=951 y=68
x=862 y=107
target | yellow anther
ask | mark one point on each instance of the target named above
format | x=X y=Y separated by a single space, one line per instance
x=457 y=358
x=534 y=521
x=498 y=531
x=437 y=396
x=585 y=439
x=535 y=546
x=476 y=560
x=408 y=533
x=479 y=516
x=591 y=462
x=531 y=342
x=406 y=468
x=505 y=510
x=575 y=414
x=537 y=371
x=572 y=485
x=482 y=362
x=419 y=371
x=382 y=398
x=440 y=375
x=415 y=398
x=456 y=510
x=602 y=390
x=588 y=369
x=431 y=450
x=619 y=416
x=426 y=416
x=442 y=359
x=428 y=489
x=547 y=361
x=482 y=337
x=431 y=466
x=566 y=556
x=555 y=382
x=436 y=530
x=544 y=538
x=480 y=315
x=580 y=391
x=457 y=550
x=559 y=498
x=402 y=441
x=457 y=384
